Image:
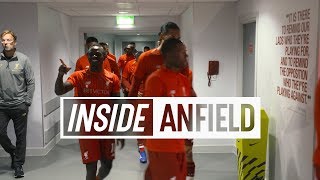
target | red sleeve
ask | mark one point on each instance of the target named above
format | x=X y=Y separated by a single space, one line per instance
x=141 y=67
x=116 y=84
x=120 y=62
x=126 y=76
x=78 y=65
x=114 y=68
x=190 y=76
x=113 y=56
x=106 y=65
x=138 y=76
x=73 y=79
x=125 y=71
x=316 y=157
x=154 y=87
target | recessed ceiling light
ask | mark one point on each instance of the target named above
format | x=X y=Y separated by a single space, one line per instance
x=138 y=34
x=123 y=12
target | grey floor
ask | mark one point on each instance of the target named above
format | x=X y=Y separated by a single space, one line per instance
x=63 y=163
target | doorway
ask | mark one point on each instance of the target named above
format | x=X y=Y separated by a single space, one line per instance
x=249 y=62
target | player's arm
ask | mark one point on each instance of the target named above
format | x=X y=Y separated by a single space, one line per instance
x=116 y=93
x=116 y=87
x=133 y=92
x=125 y=78
x=125 y=83
x=115 y=68
x=154 y=87
x=193 y=92
x=190 y=78
x=60 y=86
x=106 y=65
x=138 y=76
x=120 y=62
x=78 y=65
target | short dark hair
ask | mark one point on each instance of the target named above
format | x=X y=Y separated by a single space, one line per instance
x=146 y=47
x=137 y=54
x=104 y=44
x=133 y=43
x=91 y=39
x=169 y=25
x=170 y=45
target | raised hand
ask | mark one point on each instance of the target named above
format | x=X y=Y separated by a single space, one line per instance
x=63 y=68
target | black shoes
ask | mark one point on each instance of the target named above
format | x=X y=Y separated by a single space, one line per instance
x=12 y=155
x=18 y=172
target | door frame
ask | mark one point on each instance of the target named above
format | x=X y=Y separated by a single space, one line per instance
x=250 y=18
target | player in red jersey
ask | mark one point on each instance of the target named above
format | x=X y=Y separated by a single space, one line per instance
x=111 y=59
x=126 y=82
x=167 y=157
x=125 y=58
x=152 y=60
x=83 y=62
x=93 y=82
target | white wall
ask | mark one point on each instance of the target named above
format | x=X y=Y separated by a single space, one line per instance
x=54 y=33
x=43 y=35
x=54 y=44
x=81 y=25
x=208 y=29
x=291 y=123
x=186 y=32
x=22 y=18
x=214 y=39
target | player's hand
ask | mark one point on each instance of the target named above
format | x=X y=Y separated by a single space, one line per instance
x=120 y=142
x=63 y=69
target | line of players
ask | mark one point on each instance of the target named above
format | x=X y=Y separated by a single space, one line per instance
x=159 y=72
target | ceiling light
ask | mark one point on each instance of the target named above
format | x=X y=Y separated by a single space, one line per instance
x=123 y=12
x=138 y=34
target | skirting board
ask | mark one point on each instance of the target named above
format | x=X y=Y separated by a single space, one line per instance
x=41 y=151
x=196 y=149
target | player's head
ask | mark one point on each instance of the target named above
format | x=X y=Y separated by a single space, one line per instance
x=174 y=54
x=90 y=41
x=133 y=44
x=137 y=55
x=129 y=49
x=105 y=46
x=146 y=48
x=169 y=30
x=96 y=55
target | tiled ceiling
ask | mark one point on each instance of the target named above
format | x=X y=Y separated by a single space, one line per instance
x=113 y=7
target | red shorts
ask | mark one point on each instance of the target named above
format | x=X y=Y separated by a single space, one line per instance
x=93 y=150
x=166 y=166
